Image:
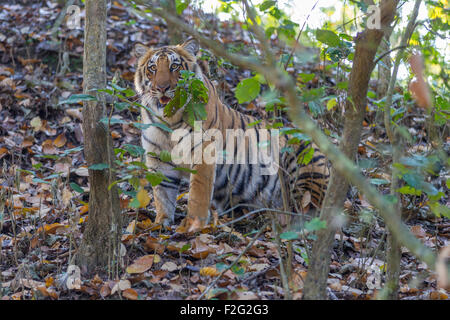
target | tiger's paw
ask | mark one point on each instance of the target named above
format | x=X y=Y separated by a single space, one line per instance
x=163 y=220
x=190 y=224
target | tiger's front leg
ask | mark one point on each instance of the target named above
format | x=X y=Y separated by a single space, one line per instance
x=199 y=201
x=165 y=196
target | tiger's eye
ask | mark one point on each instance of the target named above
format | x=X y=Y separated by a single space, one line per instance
x=174 y=67
x=152 y=67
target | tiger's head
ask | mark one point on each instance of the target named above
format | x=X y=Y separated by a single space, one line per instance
x=158 y=71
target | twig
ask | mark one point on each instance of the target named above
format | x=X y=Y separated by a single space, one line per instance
x=387 y=52
x=283 y=274
x=403 y=44
x=60 y=19
x=249 y=245
x=298 y=37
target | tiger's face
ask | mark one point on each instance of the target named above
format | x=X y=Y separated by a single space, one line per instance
x=159 y=70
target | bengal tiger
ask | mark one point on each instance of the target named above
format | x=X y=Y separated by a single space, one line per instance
x=223 y=185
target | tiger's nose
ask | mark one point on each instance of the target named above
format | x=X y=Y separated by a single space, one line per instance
x=163 y=88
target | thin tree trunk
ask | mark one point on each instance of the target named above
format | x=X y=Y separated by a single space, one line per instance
x=175 y=36
x=384 y=72
x=100 y=238
x=367 y=43
x=394 y=251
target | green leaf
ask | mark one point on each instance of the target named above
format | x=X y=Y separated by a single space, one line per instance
x=429 y=188
x=48 y=156
x=143 y=126
x=121 y=105
x=134 y=150
x=221 y=266
x=181 y=5
x=111 y=121
x=305 y=156
x=247 y=90
x=194 y=111
x=129 y=92
x=135 y=204
x=165 y=156
x=409 y=190
x=306 y=77
x=440 y=210
x=266 y=5
x=327 y=37
x=177 y=102
x=254 y=123
x=28 y=171
x=198 y=90
x=185 y=170
x=331 y=103
x=76 y=98
x=40 y=180
x=379 y=182
x=155 y=178
x=99 y=166
x=76 y=187
x=343 y=85
x=185 y=248
x=237 y=270
x=413 y=180
x=289 y=235
x=315 y=224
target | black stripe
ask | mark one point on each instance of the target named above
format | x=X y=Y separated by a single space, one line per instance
x=151 y=142
x=312 y=175
x=169 y=185
x=315 y=159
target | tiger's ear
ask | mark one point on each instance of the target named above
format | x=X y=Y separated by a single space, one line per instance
x=191 y=45
x=140 y=50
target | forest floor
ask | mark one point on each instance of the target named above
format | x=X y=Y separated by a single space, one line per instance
x=43 y=211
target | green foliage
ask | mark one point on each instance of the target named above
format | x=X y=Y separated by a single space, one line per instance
x=305 y=156
x=289 y=235
x=180 y=5
x=247 y=90
x=77 y=98
x=190 y=94
x=315 y=224
x=99 y=166
x=328 y=37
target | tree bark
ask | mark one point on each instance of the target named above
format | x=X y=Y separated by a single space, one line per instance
x=367 y=43
x=175 y=36
x=384 y=72
x=100 y=238
x=394 y=253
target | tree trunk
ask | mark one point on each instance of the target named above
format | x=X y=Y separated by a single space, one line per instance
x=384 y=72
x=100 y=238
x=367 y=43
x=394 y=253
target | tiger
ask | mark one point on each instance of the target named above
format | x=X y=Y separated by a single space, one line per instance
x=221 y=185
